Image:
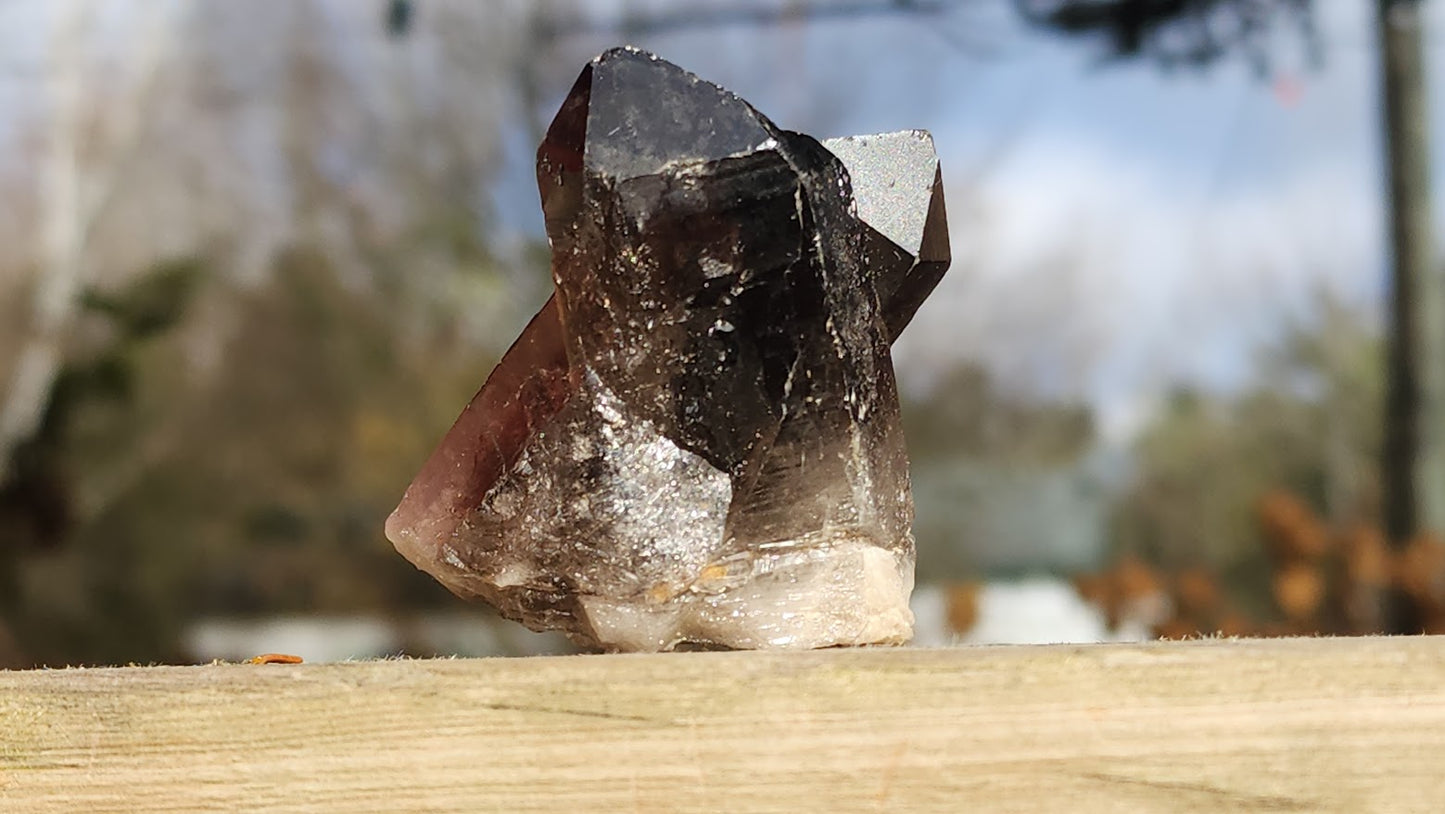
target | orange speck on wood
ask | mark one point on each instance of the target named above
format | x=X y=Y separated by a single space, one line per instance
x=275 y=658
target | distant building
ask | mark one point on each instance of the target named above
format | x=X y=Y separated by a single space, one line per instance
x=982 y=519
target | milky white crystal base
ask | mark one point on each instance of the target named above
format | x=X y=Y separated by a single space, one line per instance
x=848 y=593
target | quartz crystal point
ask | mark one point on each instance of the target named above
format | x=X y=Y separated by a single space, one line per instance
x=696 y=441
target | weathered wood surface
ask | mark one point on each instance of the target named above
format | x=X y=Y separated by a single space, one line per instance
x=1344 y=725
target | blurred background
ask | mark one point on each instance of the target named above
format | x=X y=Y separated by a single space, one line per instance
x=255 y=257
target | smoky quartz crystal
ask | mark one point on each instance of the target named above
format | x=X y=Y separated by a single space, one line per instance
x=696 y=441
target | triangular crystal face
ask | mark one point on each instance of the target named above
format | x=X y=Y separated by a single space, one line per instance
x=654 y=113
x=898 y=188
x=522 y=394
x=696 y=440
x=893 y=177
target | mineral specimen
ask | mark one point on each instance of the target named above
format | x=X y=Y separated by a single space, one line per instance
x=696 y=440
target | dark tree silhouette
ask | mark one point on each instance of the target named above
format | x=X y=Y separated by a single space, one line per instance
x=1179 y=32
x=1414 y=451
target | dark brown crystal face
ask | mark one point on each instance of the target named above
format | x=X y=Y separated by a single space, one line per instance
x=696 y=439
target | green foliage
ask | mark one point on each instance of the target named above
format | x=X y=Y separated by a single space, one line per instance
x=967 y=415
x=1310 y=424
x=150 y=305
x=254 y=483
x=35 y=497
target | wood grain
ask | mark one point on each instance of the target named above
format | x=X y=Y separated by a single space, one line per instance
x=1271 y=725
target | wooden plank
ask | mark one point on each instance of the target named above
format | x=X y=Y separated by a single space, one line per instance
x=1309 y=724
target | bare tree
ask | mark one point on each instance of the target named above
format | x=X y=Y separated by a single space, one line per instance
x=76 y=188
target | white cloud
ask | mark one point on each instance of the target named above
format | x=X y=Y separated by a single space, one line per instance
x=1080 y=273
